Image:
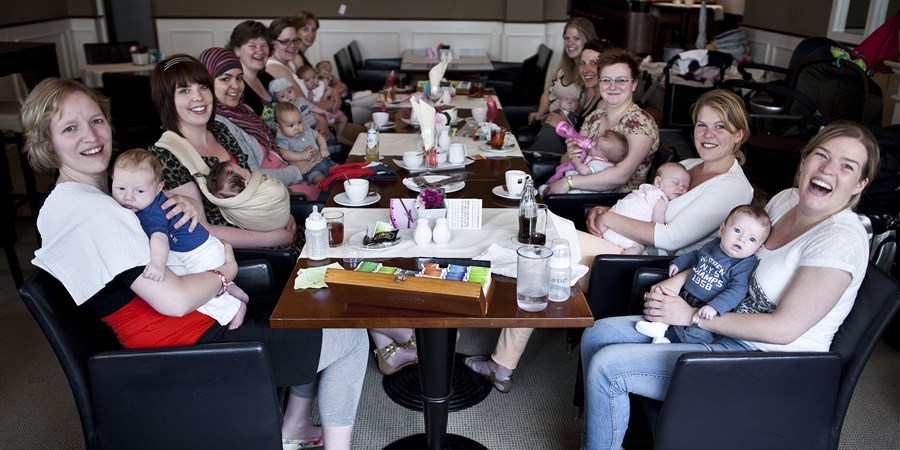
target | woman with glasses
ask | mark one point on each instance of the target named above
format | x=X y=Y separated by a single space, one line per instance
x=285 y=45
x=618 y=77
x=307 y=25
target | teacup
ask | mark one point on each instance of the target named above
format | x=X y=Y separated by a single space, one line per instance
x=380 y=118
x=413 y=159
x=357 y=189
x=515 y=182
x=479 y=114
x=441 y=157
x=457 y=153
x=452 y=112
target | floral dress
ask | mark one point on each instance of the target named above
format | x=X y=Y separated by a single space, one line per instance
x=634 y=121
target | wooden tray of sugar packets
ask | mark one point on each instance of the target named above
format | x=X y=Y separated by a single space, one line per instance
x=457 y=286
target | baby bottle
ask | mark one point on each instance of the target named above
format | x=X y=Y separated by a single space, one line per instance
x=316 y=235
x=566 y=130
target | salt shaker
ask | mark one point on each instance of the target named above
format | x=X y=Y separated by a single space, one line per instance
x=316 y=235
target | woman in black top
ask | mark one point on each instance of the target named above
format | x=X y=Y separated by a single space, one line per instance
x=250 y=41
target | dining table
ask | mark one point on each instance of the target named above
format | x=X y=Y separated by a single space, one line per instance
x=93 y=73
x=464 y=62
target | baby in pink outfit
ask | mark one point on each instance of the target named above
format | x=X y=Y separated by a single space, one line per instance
x=606 y=151
x=649 y=201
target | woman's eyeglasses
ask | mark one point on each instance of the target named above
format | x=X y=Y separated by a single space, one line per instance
x=286 y=42
x=617 y=81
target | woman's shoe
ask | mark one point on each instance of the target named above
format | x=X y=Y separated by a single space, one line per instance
x=297 y=444
x=482 y=366
x=411 y=343
x=387 y=352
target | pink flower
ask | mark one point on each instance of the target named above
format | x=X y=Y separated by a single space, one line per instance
x=440 y=119
x=432 y=198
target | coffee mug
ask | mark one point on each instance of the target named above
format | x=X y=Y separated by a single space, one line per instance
x=515 y=182
x=413 y=159
x=357 y=189
x=380 y=118
x=479 y=114
x=457 y=153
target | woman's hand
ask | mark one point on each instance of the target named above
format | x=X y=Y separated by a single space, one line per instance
x=560 y=186
x=535 y=117
x=553 y=119
x=284 y=236
x=192 y=209
x=573 y=150
x=595 y=225
x=667 y=307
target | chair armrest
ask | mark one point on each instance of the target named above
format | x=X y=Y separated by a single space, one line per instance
x=282 y=260
x=612 y=279
x=382 y=63
x=255 y=276
x=167 y=397
x=715 y=388
x=572 y=206
x=644 y=279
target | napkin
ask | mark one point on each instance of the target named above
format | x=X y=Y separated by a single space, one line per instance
x=504 y=261
x=435 y=75
x=425 y=113
x=313 y=277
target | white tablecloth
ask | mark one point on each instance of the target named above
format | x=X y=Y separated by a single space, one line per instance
x=391 y=145
x=93 y=73
x=459 y=101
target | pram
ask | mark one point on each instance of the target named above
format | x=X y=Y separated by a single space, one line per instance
x=687 y=76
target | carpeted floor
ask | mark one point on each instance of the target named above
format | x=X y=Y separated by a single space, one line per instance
x=37 y=410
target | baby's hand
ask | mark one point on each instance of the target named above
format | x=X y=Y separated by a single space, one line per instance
x=708 y=312
x=673 y=269
x=154 y=272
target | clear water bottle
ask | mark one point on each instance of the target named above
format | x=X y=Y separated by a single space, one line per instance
x=560 y=271
x=316 y=235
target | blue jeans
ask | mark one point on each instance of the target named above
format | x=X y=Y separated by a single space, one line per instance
x=617 y=361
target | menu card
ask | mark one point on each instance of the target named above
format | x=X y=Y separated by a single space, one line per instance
x=464 y=213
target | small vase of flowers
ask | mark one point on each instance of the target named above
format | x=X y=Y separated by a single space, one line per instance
x=430 y=204
x=139 y=55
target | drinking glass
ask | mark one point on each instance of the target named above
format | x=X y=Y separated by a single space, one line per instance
x=335 y=223
x=533 y=277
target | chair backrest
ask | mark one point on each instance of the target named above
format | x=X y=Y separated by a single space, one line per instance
x=74 y=334
x=356 y=58
x=108 y=52
x=344 y=66
x=134 y=117
x=877 y=300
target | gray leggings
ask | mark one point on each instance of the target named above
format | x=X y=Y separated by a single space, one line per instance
x=342 y=368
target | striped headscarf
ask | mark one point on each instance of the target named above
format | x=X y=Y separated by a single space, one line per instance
x=218 y=61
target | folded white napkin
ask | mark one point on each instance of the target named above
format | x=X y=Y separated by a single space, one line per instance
x=425 y=113
x=504 y=261
x=435 y=75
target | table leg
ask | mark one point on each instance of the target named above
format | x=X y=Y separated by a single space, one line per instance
x=436 y=349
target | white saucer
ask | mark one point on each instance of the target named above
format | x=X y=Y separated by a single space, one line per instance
x=410 y=122
x=387 y=126
x=404 y=90
x=482 y=99
x=444 y=166
x=489 y=149
x=356 y=240
x=343 y=200
x=448 y=188
x=500 y=191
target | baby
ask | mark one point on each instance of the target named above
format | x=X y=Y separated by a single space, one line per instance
x=294 y=136
x=326 y=74
x=715 y=278
x=606 y=151
x=323 y=97
x=137 y=185
x=649 y=201
x=282 y=90
x=227 y=179
x=568 y=107
x=252 y=201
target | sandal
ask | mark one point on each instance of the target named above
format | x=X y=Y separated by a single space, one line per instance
x=297 y=444
x=411 y=343
x=477 y=364
x=387 y=352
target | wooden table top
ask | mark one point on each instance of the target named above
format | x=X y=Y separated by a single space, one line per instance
x=318 y=309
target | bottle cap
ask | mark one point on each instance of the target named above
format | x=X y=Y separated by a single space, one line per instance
x=315 y=220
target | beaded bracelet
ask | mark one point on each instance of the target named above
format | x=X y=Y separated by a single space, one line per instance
x=224 y=281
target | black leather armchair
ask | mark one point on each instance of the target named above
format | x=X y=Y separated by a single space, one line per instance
x=165 y=397
x=772 y=400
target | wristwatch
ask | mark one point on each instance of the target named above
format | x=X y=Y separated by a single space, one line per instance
x=695 y=321
x=569 y=181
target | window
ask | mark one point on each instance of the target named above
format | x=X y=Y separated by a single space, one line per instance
x=853 y=20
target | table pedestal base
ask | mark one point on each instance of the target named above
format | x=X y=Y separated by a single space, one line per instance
x=469 y=388
x=419 y=442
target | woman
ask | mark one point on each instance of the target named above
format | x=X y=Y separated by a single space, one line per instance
x=250 y=42
x=567 y=81
x=307 y=25
x=809 y=271
x=547 y=140
x=618 y=79
x=67 y=128
x=285 y=45
x=717 y=183
x=252 y=134
x=182 y=92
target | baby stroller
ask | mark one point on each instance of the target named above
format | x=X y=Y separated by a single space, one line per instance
x=687 y=76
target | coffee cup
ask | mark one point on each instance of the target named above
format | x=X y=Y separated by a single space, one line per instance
x=441 y=157
x=457 y=153
x=515 y=182
x=357 y=189
x=413 y=159
x=380 y=118
x=452 y=112
x=479 y=114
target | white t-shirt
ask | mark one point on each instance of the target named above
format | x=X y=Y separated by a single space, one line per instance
x=839 y=242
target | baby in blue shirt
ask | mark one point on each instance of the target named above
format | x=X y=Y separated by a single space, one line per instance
x=716 y=277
